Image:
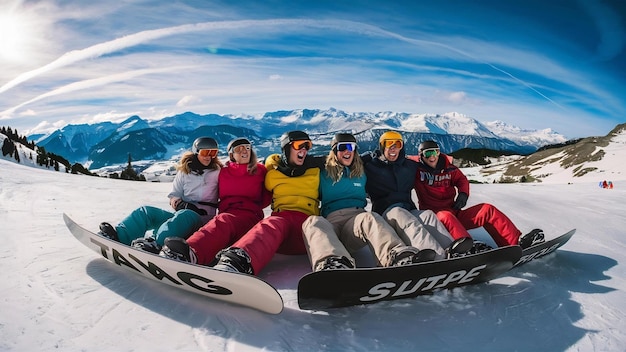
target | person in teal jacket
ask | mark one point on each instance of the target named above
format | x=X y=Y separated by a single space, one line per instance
x=345 y=226
x=193 y=198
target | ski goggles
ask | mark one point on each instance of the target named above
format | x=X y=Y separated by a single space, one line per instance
x=397 y=143
x=304 y=144
x=343 y=146
x=208 y=152
x=427 y=153
x=241 y=148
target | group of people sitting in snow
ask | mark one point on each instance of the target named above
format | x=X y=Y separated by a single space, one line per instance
x=606 y=185
x=318 y=207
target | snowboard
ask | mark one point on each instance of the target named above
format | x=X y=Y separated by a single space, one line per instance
x=544 y=248
x=242 y=289
x=349 y=287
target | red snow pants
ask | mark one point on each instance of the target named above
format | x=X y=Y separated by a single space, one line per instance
x=497 y=225
x=281 y=232
x=220 y=232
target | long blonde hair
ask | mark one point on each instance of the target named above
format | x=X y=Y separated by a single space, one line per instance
x=188 y=158
x=335 y=169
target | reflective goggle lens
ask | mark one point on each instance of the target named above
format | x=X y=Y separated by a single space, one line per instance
x=393 y=143
x=305 y=144
x=427 y=153
x=241 y=148
x=343 y=146
x=208 y=152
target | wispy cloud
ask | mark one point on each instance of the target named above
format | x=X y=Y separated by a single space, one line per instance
x=76 y=86
x=96 y=51
x=188 y=99
x=408 y=60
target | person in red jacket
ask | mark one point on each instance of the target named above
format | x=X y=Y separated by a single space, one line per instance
x=242 y=197
x=444 y=189
x=293 y=179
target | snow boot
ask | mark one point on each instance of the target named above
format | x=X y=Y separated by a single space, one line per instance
x=411 y=255
x=425 y=255
x=459 y=246
x=335 y=263
x=107 y=230
x=477 y=247
x=532 y=238
x=147 y=244
x=234 y=260
x=177 y=248
x=403 y=256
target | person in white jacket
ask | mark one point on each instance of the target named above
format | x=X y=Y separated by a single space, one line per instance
x=193 y=198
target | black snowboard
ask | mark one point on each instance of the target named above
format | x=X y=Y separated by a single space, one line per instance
x=542 y=249
x=341 y=288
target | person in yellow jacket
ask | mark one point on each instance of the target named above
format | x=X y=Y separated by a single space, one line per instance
x=293 y=179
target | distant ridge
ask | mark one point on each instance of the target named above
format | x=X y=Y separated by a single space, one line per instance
x=108 y=143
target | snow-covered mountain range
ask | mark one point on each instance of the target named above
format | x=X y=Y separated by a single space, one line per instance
x=593 y=158
x=109 y=143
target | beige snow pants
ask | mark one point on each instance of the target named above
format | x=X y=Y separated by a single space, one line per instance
x=420 y=229
x=345 y=231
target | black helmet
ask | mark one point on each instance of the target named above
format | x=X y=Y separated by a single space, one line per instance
x=342 y=137
x=235 y=142
x=428 y=145
x=203 y=143
x=289 y=137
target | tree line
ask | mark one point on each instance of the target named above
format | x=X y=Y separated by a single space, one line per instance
x=51 y=160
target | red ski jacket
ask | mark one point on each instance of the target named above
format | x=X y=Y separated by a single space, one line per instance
x=242 y=191
x=436 y=188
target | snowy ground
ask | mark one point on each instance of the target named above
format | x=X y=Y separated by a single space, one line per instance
x=58 y=295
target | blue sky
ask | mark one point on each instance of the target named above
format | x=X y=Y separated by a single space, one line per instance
x=531 y=63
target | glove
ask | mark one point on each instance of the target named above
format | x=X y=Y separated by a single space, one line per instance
x=461 y=200
x=272 y=161
x=184 y=205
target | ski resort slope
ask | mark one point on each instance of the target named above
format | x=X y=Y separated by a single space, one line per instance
x=59 y=296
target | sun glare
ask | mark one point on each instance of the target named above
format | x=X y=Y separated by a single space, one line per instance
x=15 y=37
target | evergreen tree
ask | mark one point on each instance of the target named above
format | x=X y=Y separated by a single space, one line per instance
x=7 y=147
x=80 y=169
x=42 y=157
x=129 y=173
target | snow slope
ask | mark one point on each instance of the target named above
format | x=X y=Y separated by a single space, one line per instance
x=59 y=296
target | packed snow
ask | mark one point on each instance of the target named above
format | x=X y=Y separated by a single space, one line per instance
x=59 y=295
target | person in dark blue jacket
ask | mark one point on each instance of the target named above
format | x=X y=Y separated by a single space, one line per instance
x=390 y=180
x=345 y=226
